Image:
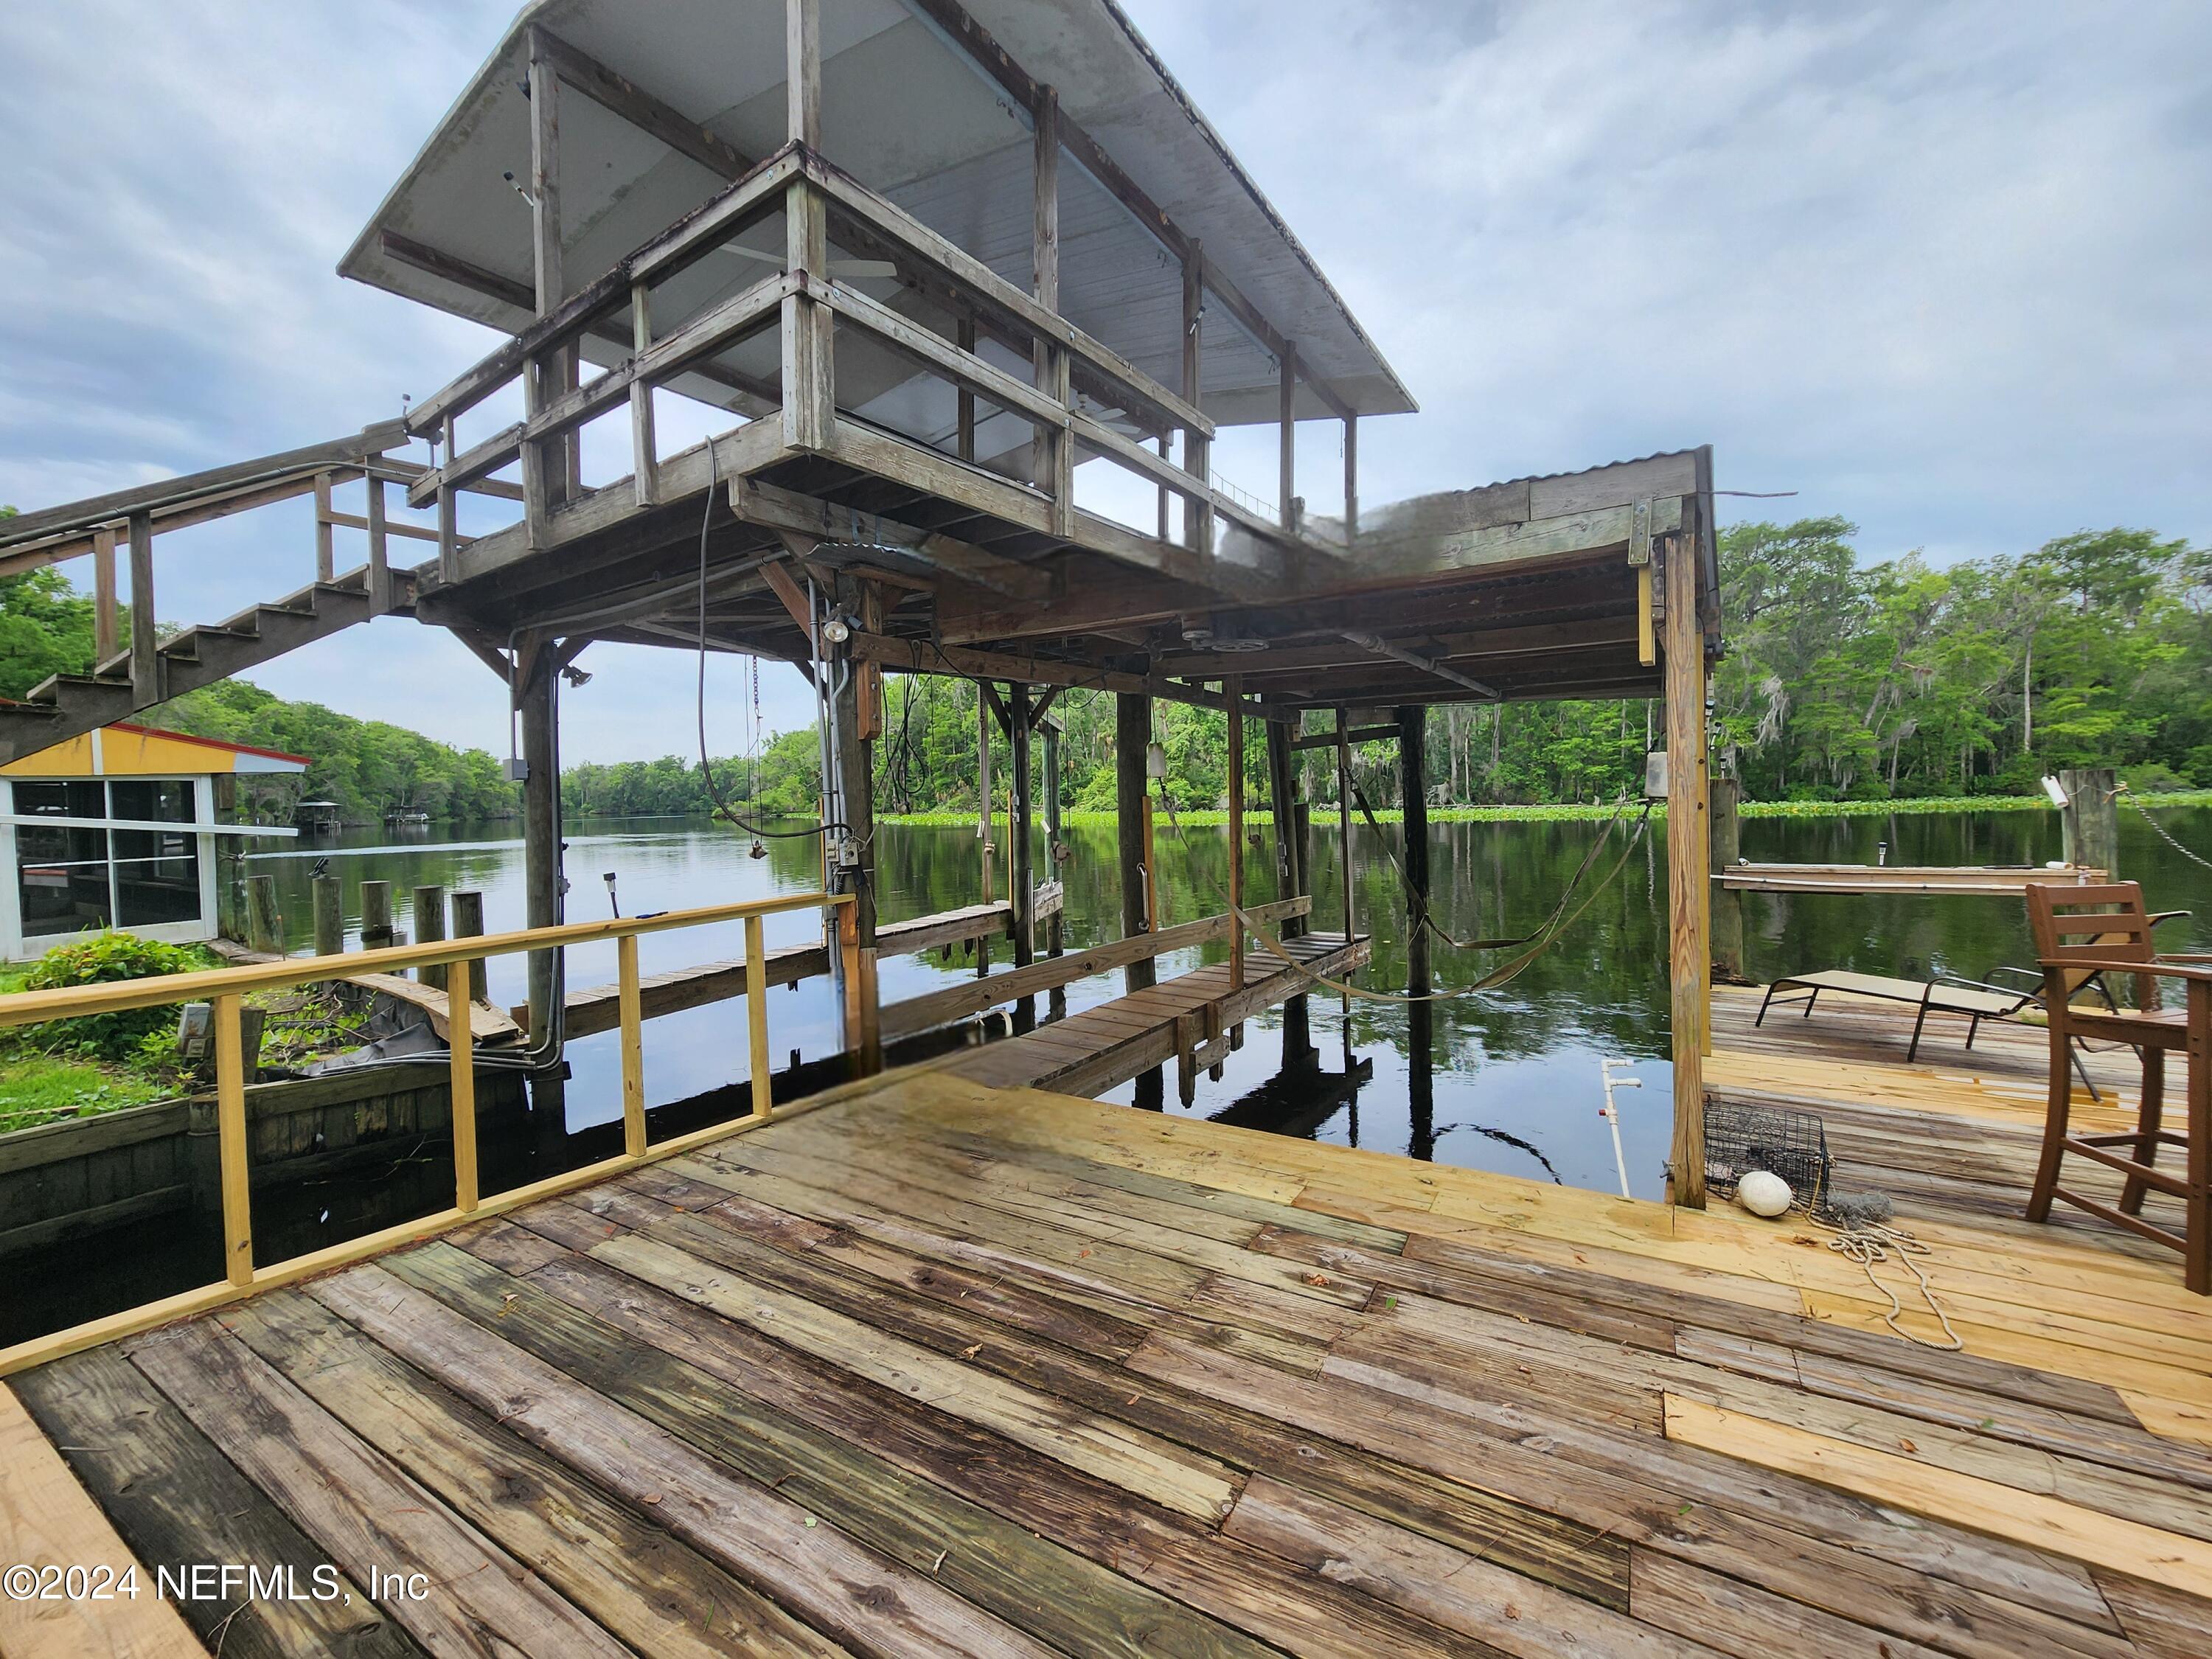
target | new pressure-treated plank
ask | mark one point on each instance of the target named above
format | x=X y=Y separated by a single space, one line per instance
x=365 y=1512
x=642 y=1586
x=816 y=1571
x=46 y=1519
x=179 y=1502
x=2029 y=1518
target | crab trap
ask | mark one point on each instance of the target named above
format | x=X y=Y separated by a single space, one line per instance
x=1741 y=1137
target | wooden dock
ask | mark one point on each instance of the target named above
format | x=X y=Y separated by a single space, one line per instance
x=945 y=1368
x=1184 y=1021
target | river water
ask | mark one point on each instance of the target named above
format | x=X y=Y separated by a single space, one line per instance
x=1514 y=1084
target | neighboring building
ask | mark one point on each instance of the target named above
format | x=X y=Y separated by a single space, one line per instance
x=117 y=828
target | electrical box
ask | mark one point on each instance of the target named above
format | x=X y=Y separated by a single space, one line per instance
x=848 y=852
x=1654 y=776
x=515 y=770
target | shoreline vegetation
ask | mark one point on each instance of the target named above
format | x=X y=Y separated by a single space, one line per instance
x=1598 y=811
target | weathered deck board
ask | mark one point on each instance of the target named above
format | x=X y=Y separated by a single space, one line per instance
x=949 y=1367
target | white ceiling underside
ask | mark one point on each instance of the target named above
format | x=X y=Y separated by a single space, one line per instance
x=908 y=113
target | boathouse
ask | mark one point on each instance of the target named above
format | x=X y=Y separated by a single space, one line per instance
x=948 y=1358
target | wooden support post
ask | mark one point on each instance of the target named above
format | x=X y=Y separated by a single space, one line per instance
x=1133 y=730
x=265 y=925
x=1413 y=792
x=1286 y=484
x=1019 y=831
x=1052 y=459
x=809 y=394
x=145 y=644
x=449 y=531
x=763 y=1098
x=1689 y=858
x=380 y=548
x=1344 y=819
x=326 y=563
x=376 y=915
x=630 y=1003
x=645 y=446
x=1726 y=904
x=537 y=690
x=1351 y=480
x=2089 y=822
x=1055 y=933
x=1198 y=516
x=106 y=609
x=856 y=784
x=230 y=1140
x=428 y=914
x=468 y=923
x=329 y=916
x=1290 y=883
x=1231 y=689
x=983 y=787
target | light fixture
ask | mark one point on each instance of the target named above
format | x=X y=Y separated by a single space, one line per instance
x=2056 y=791
x=836 y=631
x=1155 y=760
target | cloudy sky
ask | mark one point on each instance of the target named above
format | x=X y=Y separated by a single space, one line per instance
x=1940 y=268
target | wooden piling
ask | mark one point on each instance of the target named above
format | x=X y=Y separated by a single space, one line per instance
x=1231 y=689
x=375 y=914
x=469 y=923
x=1290 y=881
x=1413 y=791
x=329 y=916
x=430 y=916
x=1055 y=933
x=2089 y=822
x=537 y=687
x=856 y=785
x=264 y=923
x=1727 y=796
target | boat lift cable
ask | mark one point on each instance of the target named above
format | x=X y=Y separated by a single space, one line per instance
x=723 y=810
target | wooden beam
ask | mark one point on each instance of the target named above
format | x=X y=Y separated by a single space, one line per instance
x=1052 y=458
x=1198 y=516
x=1287 y=441
x=1688 y=853
x=545 y=480
x=777 y=508
x=1351 y=480
x=1357 y=734
x=648 y=114
x=916 y=656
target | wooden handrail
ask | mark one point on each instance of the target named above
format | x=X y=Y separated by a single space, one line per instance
x=226 y=988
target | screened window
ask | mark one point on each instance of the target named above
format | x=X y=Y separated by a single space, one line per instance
x=72 y=877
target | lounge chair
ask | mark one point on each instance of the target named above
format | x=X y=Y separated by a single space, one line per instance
x=1971 y=999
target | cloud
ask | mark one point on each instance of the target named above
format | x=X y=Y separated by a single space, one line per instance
x=1935 y=266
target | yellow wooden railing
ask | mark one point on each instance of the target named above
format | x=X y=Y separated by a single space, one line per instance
x=224 y=988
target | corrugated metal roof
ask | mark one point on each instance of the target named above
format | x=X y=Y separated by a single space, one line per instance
x=909 y=113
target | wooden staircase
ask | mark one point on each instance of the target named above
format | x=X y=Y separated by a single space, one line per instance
x=64 y=706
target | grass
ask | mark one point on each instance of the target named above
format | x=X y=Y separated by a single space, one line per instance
x=36 y=1089
x=1577 y=812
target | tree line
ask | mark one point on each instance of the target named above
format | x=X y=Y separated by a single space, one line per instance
x=1843 y=680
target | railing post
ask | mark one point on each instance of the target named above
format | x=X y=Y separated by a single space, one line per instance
x=230 y=1141
x=106 y=611
x=326 y=564
x=145 y=645
x=757 y=1017
x=461 y=1039
x=1198 y=513
x=380 y=559
x=449 y=535
x=645 y=450
x=633 y=1045
x=1053 y=457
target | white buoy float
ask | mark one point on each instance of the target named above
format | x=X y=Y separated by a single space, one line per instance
x=1764 y=1192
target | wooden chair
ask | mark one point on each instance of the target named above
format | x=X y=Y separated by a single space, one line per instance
x=2083 y=933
